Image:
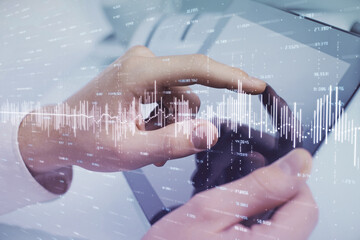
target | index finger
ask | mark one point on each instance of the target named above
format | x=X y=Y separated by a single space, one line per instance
x=199 y=69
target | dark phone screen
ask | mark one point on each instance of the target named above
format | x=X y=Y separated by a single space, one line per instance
x=312 y=70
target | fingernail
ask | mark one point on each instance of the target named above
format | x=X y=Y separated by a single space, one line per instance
x=199 y=136
x=295 y=162
x=260 y=83
x=160 y=164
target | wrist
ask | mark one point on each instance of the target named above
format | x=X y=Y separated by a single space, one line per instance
x=40 y=156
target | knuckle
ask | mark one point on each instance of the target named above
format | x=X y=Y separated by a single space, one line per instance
x=272 y=184
x=169 y=143
x=314 y=213
x=242 y=75
x=201 y=60
x=131 y=62
x=140 y=50
x=200 y=57
x=196 y=102
x=209 y=205
x=305 y=153
x=312 y=209
x=200 y=65
x=200 y=206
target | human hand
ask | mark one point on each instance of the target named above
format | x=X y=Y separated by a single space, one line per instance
x=218 y=213
x=117 y=139
x=238 y=153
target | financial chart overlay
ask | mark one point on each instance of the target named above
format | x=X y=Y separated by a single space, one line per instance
x=274 y=116
x=49 y=50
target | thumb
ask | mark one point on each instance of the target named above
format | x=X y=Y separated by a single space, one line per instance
x=176 y=140
x=263 y=189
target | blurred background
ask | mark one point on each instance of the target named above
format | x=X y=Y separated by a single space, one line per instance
x=59 y=45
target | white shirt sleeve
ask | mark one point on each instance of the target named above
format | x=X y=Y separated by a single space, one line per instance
x=17 y=186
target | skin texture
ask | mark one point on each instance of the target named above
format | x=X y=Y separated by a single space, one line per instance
x=213 y=214
x=218 y=213
x=52 y=152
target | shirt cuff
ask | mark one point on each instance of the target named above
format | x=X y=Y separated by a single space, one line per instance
x=18 y=188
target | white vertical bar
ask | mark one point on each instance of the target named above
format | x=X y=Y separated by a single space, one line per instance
x=320 y=120
x=317 y=120
x=336 y=112
x=327 y=118
x=355 y=147
x=352 y=131
x=329 y=105
x=261 y=113
x=294 y=127
x=300 y=127
x=342 y=125
x=249 y=116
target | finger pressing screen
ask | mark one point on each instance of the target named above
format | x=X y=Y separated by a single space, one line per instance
x=199 y=69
